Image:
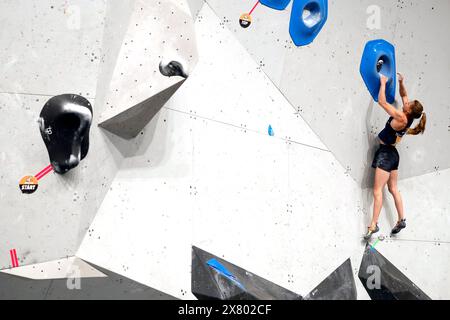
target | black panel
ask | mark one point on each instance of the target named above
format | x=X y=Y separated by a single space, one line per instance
x=340 y=285
x=393 y=284
x=209 y=283
x=113 y=287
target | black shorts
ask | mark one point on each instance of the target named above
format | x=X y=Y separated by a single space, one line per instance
x=386 y=158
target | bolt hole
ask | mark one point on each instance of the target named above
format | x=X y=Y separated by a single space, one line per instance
x=311 y=14
x=384 y=66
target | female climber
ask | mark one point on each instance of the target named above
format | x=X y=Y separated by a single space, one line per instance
x=387 y=159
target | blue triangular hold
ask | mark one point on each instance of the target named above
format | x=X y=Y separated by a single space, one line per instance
x=220 y=268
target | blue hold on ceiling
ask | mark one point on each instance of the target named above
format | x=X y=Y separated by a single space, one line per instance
x=379 y=58
x=275 y=4
x=307 y=20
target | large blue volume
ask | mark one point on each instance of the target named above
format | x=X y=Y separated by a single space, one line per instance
x=276 y=4
x=379 y=58
x=307 y=19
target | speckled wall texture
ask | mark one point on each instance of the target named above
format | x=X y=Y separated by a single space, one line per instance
x=289 y=203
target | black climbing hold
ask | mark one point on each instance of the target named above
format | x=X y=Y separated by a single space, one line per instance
x=64 y=122
x=173 y=68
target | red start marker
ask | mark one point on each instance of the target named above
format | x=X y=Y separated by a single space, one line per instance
x=245 y=19
x=14 y=260
x=29 y=184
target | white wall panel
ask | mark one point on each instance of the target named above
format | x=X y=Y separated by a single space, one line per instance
x=50 y=47
x=424 y=263
x=228 y=86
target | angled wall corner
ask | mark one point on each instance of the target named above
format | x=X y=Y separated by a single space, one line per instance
x=117 y=19
x=133 y=76
x=195 y=6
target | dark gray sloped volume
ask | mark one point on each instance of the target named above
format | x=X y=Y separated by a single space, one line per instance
x=209 y=284
x=112 y=287
x=340 y=285
x=393 y=284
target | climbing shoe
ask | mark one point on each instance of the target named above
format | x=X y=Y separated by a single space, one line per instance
x=399 y=226
x=370 y=232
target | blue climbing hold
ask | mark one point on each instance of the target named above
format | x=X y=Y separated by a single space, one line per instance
x=271 y=133
x=379 y=58
x=213 y=263
x=307 y=19
x=220 y=268
x=275 y=4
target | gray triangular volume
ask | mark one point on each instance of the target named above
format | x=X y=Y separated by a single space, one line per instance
x=340 y=285
x=383 y=281
x=216 y=279
x=112 y=287
x=129 y=123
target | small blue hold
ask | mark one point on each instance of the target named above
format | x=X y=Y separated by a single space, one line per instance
x=275 y=4
x=307 y=20
x=379 y=58
x=271 y=133
x=220 y=268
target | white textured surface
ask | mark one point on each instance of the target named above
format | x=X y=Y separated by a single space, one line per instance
x=424 y=263
x=57 y=269
x=50 y=46
x=195 y=6
x=143 y=230
x=427 y=204
x=267 y=39
x=422 y=57
x=50 y=223
x=231 y=190
x=228 y=86
x=205 y=171
x=322 y=80
x=156 y=31
x=421 y=251
x=50 y=58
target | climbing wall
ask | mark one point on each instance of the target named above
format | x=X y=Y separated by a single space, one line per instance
x=74 y=47
x=322 y=80
x=208 y=173
x=260 y=158
x=48 y=48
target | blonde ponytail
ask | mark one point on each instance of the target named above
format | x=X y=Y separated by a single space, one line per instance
x=420 y=128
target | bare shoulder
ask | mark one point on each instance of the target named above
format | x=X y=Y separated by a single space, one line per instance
x=400 y=122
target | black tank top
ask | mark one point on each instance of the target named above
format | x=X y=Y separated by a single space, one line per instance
x=389 y=136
